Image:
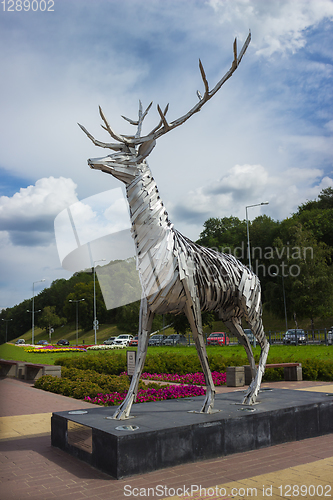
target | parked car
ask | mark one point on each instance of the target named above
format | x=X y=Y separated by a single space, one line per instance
x=62 y=342
x=42 y=342
x=295 y=337
x=123 y=339
x=120 y=342
x=156 y=339
x=249 y=334
x=330 y=336
x=134 y=342
x=109 y=340
x=20 y=341
x=218 y=338
x=175 y=339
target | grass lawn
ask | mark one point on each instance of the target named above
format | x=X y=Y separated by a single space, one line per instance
x=281 y=352
x=10 y=351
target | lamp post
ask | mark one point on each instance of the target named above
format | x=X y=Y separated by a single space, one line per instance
x=95 y=323
x=33 y=310
x=7 y=325
x=38 y=311
x=77 y=318
x=247 y=229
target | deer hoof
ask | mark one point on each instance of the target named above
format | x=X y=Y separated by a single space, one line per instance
x=208 y=403
x=250 y=397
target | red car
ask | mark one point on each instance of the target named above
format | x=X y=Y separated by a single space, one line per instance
x=218 y=338
x=134 y=342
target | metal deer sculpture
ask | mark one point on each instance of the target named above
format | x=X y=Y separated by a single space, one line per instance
x=177 y=275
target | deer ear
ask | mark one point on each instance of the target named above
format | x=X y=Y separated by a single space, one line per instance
x=146 y=148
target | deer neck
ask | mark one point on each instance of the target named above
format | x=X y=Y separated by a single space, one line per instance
x=150 y=222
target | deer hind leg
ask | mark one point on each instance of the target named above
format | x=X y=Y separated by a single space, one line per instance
x=145 y=324
x=193 y=313
x=258 y=332
x=235 y=326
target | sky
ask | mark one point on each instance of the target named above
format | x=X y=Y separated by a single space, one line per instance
x=265 y=136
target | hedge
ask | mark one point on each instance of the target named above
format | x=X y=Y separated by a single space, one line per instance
x=169 y=362
x=81 y=383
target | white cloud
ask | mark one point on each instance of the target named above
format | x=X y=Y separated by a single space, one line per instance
x=244 y=185
x=31 y=211
x=278 y=26
x=241 y=178
x=91 y=219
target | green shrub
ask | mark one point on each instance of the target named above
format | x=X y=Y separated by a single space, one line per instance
x=103 y=362
x=106 y=363
x=273 y=375
x=80 y=383
x=325 y=371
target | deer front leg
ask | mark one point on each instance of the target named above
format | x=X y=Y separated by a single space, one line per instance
x=253 y=390
x=145 y=324
x=193 y=314
x=235 y=326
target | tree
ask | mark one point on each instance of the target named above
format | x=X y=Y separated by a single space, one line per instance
x=325 y=201
x=181 y=325
x=225 y=235
x=312 y=288
x=49 y=319
x=306 y=273
x=128 y=317
x=86 y=316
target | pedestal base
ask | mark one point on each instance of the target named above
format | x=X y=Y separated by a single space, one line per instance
x=165 y=434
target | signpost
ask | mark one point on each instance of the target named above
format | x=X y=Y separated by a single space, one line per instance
x=131 y=360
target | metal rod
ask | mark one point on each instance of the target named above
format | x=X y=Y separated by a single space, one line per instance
x=33 y=310
x=248 y=231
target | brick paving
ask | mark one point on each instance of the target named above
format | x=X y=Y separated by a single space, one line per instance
x=32 y=469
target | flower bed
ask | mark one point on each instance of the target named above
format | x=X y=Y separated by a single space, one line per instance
x=147 y=395
x=53 y=348
x=60 y=348
x=190 y=378
x=103 y=347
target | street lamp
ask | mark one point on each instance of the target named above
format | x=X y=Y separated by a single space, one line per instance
x=39 y=311
x=6 y=325
x=77 y=318
x=95 y=323
x=33 y=310
x=247 y=228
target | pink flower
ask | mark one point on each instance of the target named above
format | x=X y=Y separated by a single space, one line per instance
x=146 y=395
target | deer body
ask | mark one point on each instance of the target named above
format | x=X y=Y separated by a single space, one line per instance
x=177 y=275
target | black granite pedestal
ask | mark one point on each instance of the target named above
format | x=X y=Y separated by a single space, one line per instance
x=167 y=433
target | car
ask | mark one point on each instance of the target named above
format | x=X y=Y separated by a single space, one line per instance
x=218 y=338
x=42 y=342
x=109 y=340
x=62 y=342
x=295 y=336
x=123 y=339
x=175 y=339
x=120 y=342
x=134 y=342
x=250 y=336
x=156 y=339
x=20 y=341
x=330 y=336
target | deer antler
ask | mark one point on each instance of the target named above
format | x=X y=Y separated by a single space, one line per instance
x=202 y=99
x=125 y=141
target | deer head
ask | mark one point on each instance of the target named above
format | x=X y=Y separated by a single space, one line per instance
x=132 y=150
